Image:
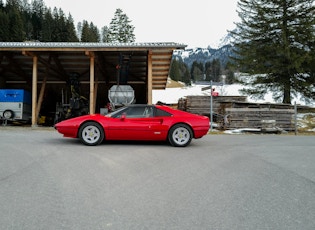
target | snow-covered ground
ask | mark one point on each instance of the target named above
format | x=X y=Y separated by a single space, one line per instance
x=171 y=95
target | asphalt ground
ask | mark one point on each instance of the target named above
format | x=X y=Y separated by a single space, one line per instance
x=218 y=182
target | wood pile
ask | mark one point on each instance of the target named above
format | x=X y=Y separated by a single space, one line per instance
x=255 y=115
x=201 y=104
x=234 y=112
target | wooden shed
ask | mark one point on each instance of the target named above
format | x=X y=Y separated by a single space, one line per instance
x=34 y=66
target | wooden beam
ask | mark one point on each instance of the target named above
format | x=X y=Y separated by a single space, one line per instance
x=42 y=90
x=34 y=91
x=41 y=96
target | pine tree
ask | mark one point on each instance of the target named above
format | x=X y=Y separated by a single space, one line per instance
x=37 y=14
x=105 y=34
x=120 y=29
x=16 y=30
x=85 y=32
x=48 y=26
x=213 y=70
x=94 y=33
x=197 y=71
x=175 y=71
x=4 y=28
x=184 y=70
x=70 y=28
x=26 y=14
x=79 y=30
x=229 y=71
x=55 y=35
x=179 y=71
x=89 y=33
x=62 y=26
x=274 y=43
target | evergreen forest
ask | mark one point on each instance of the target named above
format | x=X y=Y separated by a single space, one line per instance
x=23 y=21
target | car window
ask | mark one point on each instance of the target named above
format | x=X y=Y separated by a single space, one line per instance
x=139 y=112
x=148 y=112
x=162 y=113
x=133 y=112
x=117 y=113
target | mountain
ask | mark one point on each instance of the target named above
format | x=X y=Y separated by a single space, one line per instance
x=203 y=55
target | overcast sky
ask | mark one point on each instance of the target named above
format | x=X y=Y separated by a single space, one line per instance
x=196 y=23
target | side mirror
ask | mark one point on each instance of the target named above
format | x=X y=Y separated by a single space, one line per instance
x=123 y=116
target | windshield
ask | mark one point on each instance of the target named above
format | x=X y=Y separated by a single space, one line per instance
x=134 y=111
x=116 y=112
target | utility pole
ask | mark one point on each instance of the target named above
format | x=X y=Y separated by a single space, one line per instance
x=211 y=99
x=211 y=103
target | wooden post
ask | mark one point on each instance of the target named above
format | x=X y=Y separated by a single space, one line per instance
x=92 y=102
x=34 y=91
x=149 y=77
x=95 y=91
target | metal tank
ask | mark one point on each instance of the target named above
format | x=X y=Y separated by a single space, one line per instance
x=120 y=95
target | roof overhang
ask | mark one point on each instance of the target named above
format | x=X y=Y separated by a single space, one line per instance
x=59 y=59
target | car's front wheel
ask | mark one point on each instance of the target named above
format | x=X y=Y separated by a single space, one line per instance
x=91 y=133
x=180 y=135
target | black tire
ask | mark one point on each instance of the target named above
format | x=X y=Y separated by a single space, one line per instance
x=91 y=133
x=180 y=135
x=8 y=114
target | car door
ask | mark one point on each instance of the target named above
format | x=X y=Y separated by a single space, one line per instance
x=136 y=123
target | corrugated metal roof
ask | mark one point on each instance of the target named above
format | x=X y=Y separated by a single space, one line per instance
x=91 y=45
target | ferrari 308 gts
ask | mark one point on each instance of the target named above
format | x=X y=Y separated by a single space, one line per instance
x=137 y=122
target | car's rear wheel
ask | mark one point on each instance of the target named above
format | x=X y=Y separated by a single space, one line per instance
x=180 y=135
x=91 y=133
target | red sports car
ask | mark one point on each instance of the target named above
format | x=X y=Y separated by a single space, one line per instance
x=137 y=122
